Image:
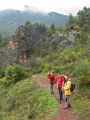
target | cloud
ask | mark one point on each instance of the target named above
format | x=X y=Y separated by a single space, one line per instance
x=61 y=6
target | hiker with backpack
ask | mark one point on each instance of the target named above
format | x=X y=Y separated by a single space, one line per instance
x=67 y=92
x=52 y=80
x=60 y=83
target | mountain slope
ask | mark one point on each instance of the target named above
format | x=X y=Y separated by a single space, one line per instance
x=20 y=17
x=7 y=28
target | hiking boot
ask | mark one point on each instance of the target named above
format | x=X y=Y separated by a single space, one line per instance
x=65 y=107
x=60 y=101
x=69 y=106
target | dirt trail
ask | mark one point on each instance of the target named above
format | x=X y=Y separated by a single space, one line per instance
x=63 y=114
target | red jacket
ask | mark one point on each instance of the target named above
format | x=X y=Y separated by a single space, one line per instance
x=51 y=78
x=60 y=81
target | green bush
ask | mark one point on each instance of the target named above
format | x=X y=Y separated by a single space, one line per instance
x=14 y=73
x=2 y=72
x=81 y=107
x=36 y=65
x=82 y=73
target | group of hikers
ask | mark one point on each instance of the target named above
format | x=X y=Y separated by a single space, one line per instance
x=63 y=85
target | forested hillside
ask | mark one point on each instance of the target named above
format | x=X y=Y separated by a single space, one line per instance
x=42 y=49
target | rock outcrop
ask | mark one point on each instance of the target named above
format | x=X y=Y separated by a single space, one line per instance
x=34 y=39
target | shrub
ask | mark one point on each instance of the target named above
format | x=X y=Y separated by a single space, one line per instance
x=14 y=73
x=82 y=73
x=2 y=72
x=37 y=65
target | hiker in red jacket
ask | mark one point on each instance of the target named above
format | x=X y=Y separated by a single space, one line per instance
x=60 y=83
x=51 y=78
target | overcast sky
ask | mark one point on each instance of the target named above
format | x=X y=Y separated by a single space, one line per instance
x=61 y=6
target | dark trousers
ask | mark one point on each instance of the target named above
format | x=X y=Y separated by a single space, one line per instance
x=51 y=88
x=60 y=93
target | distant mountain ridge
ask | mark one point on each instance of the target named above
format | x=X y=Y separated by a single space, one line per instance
x=17 y=18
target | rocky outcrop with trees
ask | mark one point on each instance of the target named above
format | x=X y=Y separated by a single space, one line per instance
x=35 y=39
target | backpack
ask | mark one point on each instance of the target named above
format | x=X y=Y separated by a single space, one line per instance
x=72 y=87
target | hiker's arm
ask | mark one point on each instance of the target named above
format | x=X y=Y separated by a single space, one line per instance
x=63 y=85
x=55 y=79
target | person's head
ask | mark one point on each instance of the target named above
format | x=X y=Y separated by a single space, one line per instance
x=69 y=79
x=66 y=77
x=62 y=75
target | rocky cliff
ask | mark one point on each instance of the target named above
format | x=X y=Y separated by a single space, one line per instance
x=35 y=39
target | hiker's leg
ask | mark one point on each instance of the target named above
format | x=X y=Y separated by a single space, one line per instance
x=60 y=93
x=68 y=101
x=67 y=104
x=60 y=97
x=51 y=88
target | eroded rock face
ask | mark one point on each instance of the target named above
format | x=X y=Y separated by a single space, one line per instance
x=13 y=51
x=13 y=45
x=71 y=36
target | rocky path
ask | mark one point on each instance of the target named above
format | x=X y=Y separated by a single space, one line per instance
x=63 y=114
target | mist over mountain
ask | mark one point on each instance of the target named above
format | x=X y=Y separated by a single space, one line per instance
x=15 y=18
